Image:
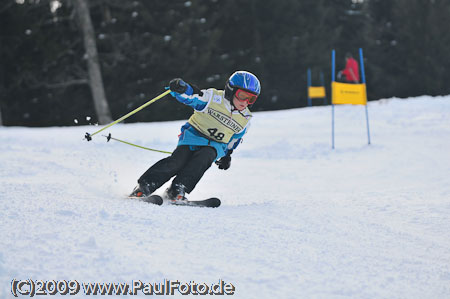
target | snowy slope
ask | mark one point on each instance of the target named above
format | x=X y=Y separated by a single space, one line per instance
x=298 y=219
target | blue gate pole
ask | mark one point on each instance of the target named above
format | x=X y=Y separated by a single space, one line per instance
x=332 y=105
x=309 y=85
x=363 y=77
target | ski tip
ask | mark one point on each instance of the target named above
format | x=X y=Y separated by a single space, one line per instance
x=214 y=202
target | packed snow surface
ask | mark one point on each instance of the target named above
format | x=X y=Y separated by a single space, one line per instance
x=298 y=219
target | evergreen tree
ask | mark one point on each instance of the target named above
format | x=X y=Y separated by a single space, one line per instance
x=42 y=58
x=142 y=44
x=409 y=47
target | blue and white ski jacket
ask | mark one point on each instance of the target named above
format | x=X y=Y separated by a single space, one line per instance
x=214 y=122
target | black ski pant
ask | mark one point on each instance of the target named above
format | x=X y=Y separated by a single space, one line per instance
x=187 y=165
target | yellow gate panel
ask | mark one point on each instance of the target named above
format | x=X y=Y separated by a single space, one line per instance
x=316 y=92
x=346 y=93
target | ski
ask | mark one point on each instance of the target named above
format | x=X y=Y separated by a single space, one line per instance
x=154 y=199
x=212 y=202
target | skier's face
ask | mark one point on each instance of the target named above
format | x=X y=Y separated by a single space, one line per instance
x=243 y=95
x=243 y=98
x=240 y=105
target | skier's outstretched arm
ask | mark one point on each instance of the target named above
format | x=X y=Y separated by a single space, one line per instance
x=188 y=94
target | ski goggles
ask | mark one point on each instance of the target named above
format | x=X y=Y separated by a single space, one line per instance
x=246 y=96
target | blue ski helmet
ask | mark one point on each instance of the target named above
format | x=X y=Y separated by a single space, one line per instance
x=242 y=80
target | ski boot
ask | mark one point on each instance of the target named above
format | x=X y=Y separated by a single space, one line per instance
x=143 y=189
x=176 y=192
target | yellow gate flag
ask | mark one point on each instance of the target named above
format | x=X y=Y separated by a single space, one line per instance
x=316 y=92
x=346 y=93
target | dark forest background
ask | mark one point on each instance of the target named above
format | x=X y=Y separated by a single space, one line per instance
x=142 y=44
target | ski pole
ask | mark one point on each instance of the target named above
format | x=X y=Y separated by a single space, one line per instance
x=132 y=144
x=89 y=136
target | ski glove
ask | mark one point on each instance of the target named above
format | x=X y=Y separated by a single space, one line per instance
x=224 y=162
x=178 y=85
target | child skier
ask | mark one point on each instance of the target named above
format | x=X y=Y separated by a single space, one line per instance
x=220 y=120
